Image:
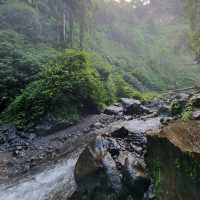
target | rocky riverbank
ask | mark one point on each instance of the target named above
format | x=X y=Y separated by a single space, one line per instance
x=111 y=149
x=21 y=154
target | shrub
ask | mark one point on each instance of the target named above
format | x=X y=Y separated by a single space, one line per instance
x=123 y=89
x=70 y=81
x=187 y=113
x=19 y=64
x=176 y=108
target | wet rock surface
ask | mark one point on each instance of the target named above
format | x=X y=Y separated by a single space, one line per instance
x=23 y=152
x=113 y=163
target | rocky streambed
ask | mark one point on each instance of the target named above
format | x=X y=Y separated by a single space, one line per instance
x=133 y=150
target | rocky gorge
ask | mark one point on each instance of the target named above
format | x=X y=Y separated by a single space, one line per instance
x=133 y=150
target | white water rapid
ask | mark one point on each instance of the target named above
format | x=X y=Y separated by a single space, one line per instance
x=44 y=185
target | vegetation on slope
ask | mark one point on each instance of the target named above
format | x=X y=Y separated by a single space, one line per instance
x=149 y=44
x=130 y=53
x=69 y=85
x=20 y=62
x=69 y=81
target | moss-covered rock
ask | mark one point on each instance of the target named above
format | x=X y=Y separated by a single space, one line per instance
x=174 y=161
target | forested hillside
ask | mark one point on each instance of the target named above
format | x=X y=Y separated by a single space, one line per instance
x=99 y=99
x=132 y=48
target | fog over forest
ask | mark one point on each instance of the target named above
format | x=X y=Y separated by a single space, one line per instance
x=99 y=99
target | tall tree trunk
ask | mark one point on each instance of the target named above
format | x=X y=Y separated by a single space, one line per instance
x=82 y=23
x=71 y=28
x=57 y=25
x=64 y=26
x=81 y=35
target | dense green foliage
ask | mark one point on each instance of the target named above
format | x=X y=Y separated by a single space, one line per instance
x=145 y=47
x=70 y=81
x=193 y=14
x=71 y=84
x=151 y=51
x=149 y=45
x=20 y=62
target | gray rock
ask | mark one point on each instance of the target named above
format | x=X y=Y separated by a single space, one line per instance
x=49 y=124
x=195 y=100
x=8 y=133
x=134 y=107
x=112 y=173
x=182 y=97
x=126 y=102
x=164 y=110
x=113 y=110
x=142 y=126
x=146 y=110
x=131 y=106
x=165 y=120
x=97 y=125
x=135 y=178
x=196 y=115
x=96 y=170
x=113 y=147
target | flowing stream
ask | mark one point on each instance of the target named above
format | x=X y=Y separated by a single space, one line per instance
x=57 y=182
x=44 y=185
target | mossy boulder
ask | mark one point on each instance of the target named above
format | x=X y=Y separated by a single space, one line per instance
x=173 y=160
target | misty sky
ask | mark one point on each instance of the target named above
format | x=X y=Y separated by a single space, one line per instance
x=144 y=1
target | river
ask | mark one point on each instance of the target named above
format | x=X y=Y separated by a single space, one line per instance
x=44 y=185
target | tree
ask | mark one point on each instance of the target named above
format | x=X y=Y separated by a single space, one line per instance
x=193 y=11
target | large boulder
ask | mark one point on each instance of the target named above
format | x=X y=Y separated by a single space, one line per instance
x=134 y=107
x=173 y=157
x=112 y=165
x=195 y=100
x=135 y=178
x=126 y=102
x=114 y=110
x=96 y=171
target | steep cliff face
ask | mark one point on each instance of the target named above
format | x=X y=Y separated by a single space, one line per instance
x=174 y=161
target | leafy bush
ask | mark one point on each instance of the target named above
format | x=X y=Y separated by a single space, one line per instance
x=176 y=108
x=104 y=70
x=114 y=82
x=70 y=81
x=19 y=64
x=187 y=115
x=123 y=89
